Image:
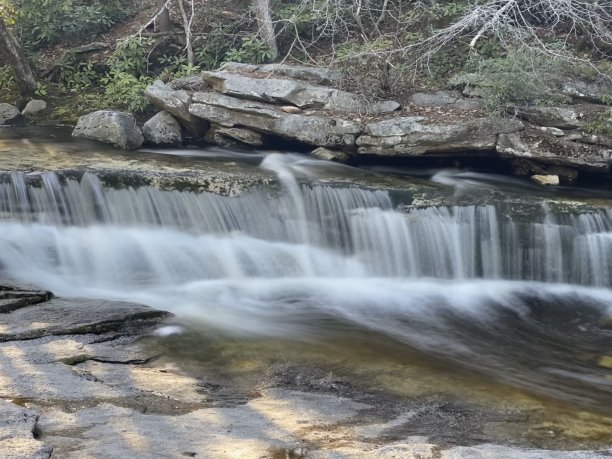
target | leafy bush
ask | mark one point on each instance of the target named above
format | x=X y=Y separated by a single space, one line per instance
x=125 y=91
x=46 y=22
x=131 y=56
x=520 y=77
x=251 y=51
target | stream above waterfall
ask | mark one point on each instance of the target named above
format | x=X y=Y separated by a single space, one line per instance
x=485 y=275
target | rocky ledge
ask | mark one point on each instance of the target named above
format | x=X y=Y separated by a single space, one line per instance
x=249 y=106
x=81 y=378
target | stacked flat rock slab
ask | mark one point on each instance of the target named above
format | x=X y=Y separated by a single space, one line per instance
x=319 y=75
x=175 y=102
x=554 y=151
x=231 y=112
x=294 y=92
x=411 y=136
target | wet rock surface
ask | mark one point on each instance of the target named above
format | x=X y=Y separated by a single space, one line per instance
x=83 y=378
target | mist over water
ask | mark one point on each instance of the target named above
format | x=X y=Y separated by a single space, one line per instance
x=519 y=299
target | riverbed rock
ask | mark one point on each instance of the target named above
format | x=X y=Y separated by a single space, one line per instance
x=8 y=113
x=232 y=136
x=547 y=180
x=329 y=155
x=300 y=94
x=555 y=117
x=17 y=426
x=449 y=99
x=175 y=102
x=534 y=145
x=163 y=129
x=269 y=119
x=318 y=75
x=599 y=92
x=413 y=136
x=116 y=128
x=34 y=106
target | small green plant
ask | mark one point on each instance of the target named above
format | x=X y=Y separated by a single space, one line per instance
x=7 y=78
x=76 y=76
x=251 y=51
x=131 y=56
x=41 y=89
x=601 y=124
x=124 y=90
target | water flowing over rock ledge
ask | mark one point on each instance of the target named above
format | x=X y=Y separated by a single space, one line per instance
x=247 y=105
x=83 y=378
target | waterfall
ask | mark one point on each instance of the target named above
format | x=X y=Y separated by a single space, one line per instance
x=311 y=230
x=519 y=298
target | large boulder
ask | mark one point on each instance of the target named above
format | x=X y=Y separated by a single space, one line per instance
x=8 y=113
x=163 y=129
x=533 y=148
x=414 y=136
x=557 y=117
x=318 y=75
x=298 y=93
x=269 y=119
x=109 y=126
x=175 y=102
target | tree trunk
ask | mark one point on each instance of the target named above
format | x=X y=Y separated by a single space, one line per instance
x=24 y=76
x=163 y=18
x=266 y=26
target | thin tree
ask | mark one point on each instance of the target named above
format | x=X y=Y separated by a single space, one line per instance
x=266 y=26
x=10 y=47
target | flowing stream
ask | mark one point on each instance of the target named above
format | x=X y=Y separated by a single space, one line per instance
x=521 y=299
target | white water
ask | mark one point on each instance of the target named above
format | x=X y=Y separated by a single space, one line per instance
x=447 y=281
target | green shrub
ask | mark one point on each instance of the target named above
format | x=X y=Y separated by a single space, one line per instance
x=251 y=51
x=46 y=22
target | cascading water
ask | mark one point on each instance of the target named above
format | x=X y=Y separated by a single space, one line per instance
x=464 y=283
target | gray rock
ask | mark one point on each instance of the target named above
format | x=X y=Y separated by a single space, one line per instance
x=17 y=441
x=8 y=113
x=63 y=316
x=508 y=452
x=293 y=92
x=409 y=136
x=329 y=155
x=451 y=99
x=163 y=129
x=34 y=106
x=268 y=119
x=112 y=127
x=189 y=83
x=547 y=180
x=175 y=102
x=554 y=151
x=599 y=92
x=556 y=117
x=232 y=136
x=319 y=75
